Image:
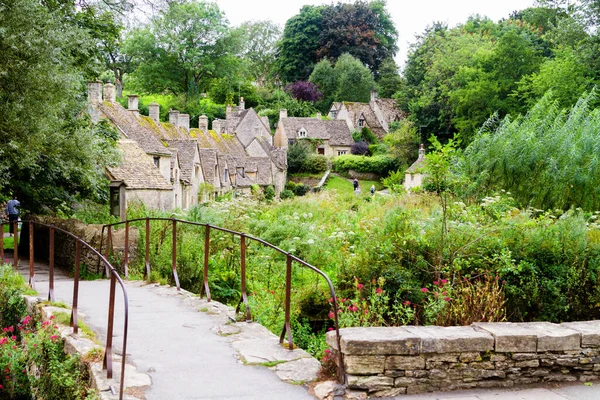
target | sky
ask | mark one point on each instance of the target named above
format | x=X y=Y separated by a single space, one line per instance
x=411 y=17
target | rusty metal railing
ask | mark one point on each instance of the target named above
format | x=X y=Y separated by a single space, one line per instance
x=290 y=258
x=74 y=323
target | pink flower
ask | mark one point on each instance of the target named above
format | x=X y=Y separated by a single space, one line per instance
x=406 y=303
x=444 y=293
x=379 y=290
x=1 y=387
x=45 y=323
x=13 y=337
x=424 y=290
x=360 y=286
x=435 y=282
x=444 y=281
x=447 y=298
x=330 y=329
x=331 y=315
x=327 y=351
x=53 y=337
x=52 y=317
x=330 y=300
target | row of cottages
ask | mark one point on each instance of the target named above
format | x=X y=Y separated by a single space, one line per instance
x=331 y=138
x=167 y=165
x=377 y=114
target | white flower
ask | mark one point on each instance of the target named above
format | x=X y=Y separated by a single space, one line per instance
x=310 y=241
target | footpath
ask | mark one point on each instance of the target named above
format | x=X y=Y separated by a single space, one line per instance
x=182 y=347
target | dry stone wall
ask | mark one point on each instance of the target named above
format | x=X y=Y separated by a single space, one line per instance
x=391 y=361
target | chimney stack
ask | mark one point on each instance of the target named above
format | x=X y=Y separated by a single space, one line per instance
x=174 y=117
x=184 y=121
x=110 y=94
x=228 y=111
x=154 y=111
x=319 y=116
x=216 y=125
x=132 y=104
x=282 y=114
x=373 y=96
x=242 y=103
x=203 y=123
x=95 y=92
x=421 y=150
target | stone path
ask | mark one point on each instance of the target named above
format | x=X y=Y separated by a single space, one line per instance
x=186 y=345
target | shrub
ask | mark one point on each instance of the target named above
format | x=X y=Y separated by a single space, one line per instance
x=315 y=164
x=286 y=194
x=290 y=185
x=381 y=165
x=360 y=148
x=269 y=192
x=394 y=181
x=301 y=189
x=297 y=154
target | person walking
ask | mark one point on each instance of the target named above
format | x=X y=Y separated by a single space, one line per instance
x=12 y=210
x=372 y=190
x=355 y=184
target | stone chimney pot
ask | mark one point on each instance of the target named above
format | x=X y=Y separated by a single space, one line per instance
x=282 y=114
x=242 y=103
x=184 y=121
x=154 y=111
x=203 y=123
x=95 y=92
x=174 y=117
x=132 y=103
x=319 y=116
x=216 y=125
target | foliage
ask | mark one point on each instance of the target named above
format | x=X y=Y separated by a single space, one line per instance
x=305 y=91
x=542 y=158
x=403 y=142
x=259 y=48
x=394 y=181
x=381 y=165
x=360 y=148
x=60 y=157
x=286 y=194
x=388 y=81
x=12 y=305
x=354 y=80
x=315 y=163
x=297 y=155
x=365 y=135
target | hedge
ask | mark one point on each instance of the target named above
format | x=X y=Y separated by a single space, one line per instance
x=381 y=165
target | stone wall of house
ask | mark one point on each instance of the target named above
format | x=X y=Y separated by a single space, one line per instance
x=390 y=361
x=65 y=246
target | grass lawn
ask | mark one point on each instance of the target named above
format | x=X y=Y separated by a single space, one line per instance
x=343 y=185
x=8 y=243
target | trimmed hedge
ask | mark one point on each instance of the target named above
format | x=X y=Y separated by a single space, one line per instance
x=381 y=165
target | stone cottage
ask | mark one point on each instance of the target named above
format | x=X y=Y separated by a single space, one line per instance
x=331 y=138
x=377 y=114
x=193 y=164
x=413 y=176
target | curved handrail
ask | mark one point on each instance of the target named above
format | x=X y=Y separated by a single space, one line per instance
x=107 y=362
x=208 y=227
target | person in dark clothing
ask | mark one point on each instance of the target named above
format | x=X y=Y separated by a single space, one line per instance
x=12 y=210
x=355 y=183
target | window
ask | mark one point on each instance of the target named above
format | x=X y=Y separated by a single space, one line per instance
x=302 y=133
x=321 y=150
x=157 y=161
x=333 y=114
x=197 y=171
x=361 y=122
x=225 y=175
x=240 y=171
x=341 y=152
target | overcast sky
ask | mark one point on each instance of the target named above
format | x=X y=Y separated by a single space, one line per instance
x=411 y=17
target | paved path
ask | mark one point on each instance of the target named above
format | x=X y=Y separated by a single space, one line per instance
x=172 y=342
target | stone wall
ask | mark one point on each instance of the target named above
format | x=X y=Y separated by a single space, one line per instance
x=414 y=359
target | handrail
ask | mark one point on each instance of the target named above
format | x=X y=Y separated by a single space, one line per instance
x=114 y=277
x=290 y=258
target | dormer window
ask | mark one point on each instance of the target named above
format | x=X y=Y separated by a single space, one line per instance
x=157 y=161
x=361 y=122
x=334 y=113
x=302 y=133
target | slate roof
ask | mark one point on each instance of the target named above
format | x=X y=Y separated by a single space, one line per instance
x=336 y=131
x=364 y=110
x=418 y=163
x=134 y=127
x=208 y=159
x=186 y=150
x=137 y=170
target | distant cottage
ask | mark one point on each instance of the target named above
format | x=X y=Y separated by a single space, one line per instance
x=331 y=138
x=167 y=165
x=413 y=176
x=377 y=114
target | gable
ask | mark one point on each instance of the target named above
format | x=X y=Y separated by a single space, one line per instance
x=254 y=149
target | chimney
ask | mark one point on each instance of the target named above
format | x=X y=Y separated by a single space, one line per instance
x=282 y=114
x=184 y=121
x=154 y=111
x=373 y=95
x=228 y=111
x=132 y=104
x=421 y=151
x=319 y=116
x=174 y=117
x=242 y=103
x=110 y=94
x=95 y=92
x=203 y=123
x=217 y=125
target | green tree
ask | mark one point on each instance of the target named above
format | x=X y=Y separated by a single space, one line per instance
x=259 y=40
x=49 y=155
x=354 y=80
x=388 y=81
x=324 y=77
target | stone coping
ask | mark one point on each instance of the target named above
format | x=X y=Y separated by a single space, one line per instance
x=500 y=337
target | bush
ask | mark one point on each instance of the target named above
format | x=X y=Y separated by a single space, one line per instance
x=315 y=164
x=381 y=165
x=290 y=185
x=286 y=194
x=301 y=189
x=269 y=192
x=297 y=154
x=394 y=181
x=360 y=149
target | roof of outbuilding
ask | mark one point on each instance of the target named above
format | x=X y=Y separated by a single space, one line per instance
x=336 y=131
x=186 y=149
x=137 y=170
x=414 y=168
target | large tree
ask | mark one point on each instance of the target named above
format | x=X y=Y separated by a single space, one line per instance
x=49 y=154
x=259 y=39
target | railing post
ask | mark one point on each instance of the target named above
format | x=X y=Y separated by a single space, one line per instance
x=107 y=362
x=126 y=255
x=51 y=266
x=74 y=321
x=15 y=245
x=108 y=249
x=2 y=242
x=206 y=255
x=174 y=255
x=31 y=258
x=288 y=299
x=147 y=271
x=244 y=297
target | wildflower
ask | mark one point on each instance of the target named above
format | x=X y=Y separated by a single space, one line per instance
x=444 y=293
x=406 y=303
x=447 y=298
x=52 y=317
x=435 y=282
x=444 y=281
x=330 y=329
x=13 y=337
x=424 y=290
x=53 y=337
x=330 y=300
x=331 y=315
x=379 y=290
x=1 y=387
x=360 y=286
x=45 y=323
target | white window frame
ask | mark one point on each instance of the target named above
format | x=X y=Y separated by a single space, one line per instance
x=342 y=152
x=302 y=133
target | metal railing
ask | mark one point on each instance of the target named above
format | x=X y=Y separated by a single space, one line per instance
x=290 y=258
x=74 y=323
